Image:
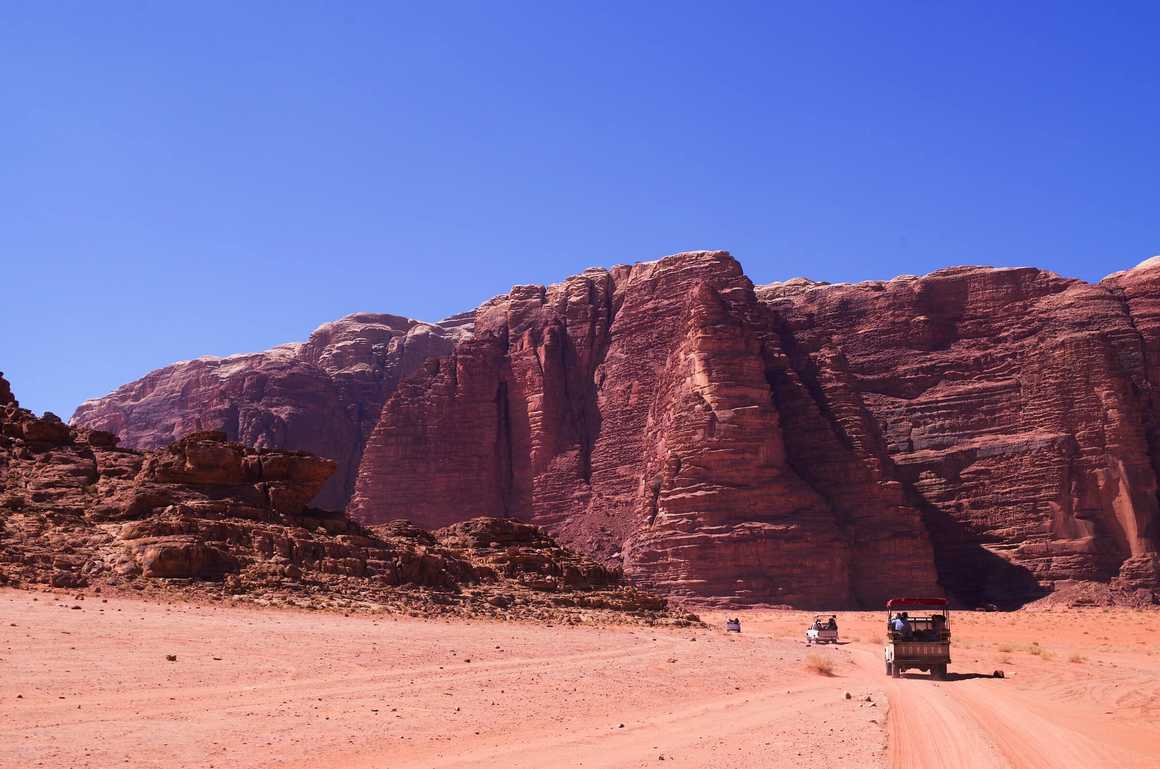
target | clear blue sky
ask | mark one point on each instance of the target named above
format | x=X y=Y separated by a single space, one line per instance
x=179 y=179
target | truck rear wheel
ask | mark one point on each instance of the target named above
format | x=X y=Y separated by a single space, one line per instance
x=939 y=672
x=896 y=671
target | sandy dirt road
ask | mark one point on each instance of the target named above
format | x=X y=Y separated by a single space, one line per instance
x=976 y=724
x=92 y=687
x=1087 y=695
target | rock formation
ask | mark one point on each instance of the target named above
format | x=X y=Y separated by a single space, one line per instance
x=1013 y=405
x=994 y=433
x=211 y=517
x=638 y=413
x=322 y=396
x=989 y=431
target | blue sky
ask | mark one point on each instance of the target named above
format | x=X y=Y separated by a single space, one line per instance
x=207 y=178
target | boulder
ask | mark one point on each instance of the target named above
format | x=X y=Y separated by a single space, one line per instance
x=47 y=430
x=191 y=560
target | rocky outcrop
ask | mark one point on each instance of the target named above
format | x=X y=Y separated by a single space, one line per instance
x=322 y=396
x=523 y=551
x=211 y=517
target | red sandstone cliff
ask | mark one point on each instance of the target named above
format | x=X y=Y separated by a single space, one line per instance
x=321 y=396
x=640 y=413
x=1013 y=405
x=993 y=432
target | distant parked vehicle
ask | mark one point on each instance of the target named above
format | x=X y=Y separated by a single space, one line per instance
x=733 y=625
x=823 y=631
x=918 y=636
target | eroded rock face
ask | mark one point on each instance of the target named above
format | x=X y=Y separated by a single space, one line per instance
x=321 y=396
x=987 y=431
x=634 y=412
x=1012 y=405
x=212 y=517
x=993 y=433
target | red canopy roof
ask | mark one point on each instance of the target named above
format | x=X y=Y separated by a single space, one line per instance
x=901 y=603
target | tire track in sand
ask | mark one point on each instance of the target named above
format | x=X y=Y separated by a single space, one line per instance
x=982 y=724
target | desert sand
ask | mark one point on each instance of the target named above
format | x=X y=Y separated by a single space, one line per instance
x=87 y=681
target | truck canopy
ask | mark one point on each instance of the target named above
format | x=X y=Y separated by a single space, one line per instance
x=908 y=603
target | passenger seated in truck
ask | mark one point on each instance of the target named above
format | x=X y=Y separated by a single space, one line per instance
x=901 y=625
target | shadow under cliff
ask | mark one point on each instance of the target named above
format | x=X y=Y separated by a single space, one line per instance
x=970 y=573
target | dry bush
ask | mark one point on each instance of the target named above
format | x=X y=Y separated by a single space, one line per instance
x=1006 y=648
x=823 y=666
x=1077 y=658
x=1039 y=651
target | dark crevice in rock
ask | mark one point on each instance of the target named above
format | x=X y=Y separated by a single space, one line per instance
x=503 y=449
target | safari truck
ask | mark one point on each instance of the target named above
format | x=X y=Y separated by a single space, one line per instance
x=824 y=630
x=918 y=636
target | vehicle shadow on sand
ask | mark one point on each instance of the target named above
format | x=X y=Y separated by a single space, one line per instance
x=950 y=677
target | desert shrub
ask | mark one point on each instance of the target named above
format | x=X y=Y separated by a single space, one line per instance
x=1039 y=651
x=823 y=666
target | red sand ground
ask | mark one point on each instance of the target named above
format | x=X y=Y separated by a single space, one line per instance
x=91 y=687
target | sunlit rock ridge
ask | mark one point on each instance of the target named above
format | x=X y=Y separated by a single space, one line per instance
x=988 y=433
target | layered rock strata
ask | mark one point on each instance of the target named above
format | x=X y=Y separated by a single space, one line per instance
x=990 y=432
x=994 y=433
x=638 y=412
x=1015 y=408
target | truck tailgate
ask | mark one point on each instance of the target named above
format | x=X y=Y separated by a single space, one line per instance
x=921 y=650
